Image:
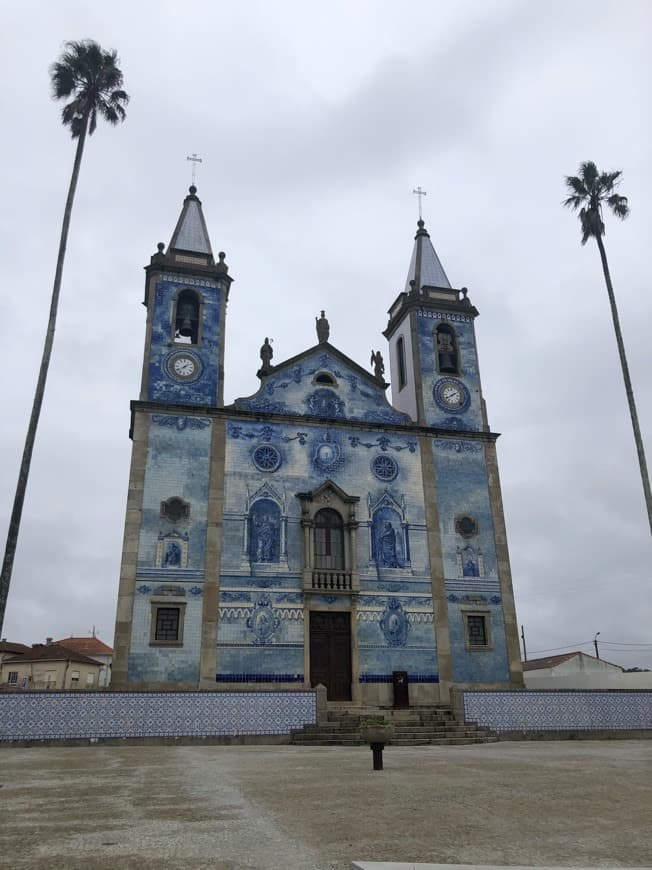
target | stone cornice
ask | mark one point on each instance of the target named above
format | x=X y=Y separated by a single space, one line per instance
x=230 y=413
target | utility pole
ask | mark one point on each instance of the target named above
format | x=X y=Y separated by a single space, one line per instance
x=595 y=644
x=524 y=647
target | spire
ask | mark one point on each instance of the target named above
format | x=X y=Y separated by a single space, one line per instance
x=190 y=233
x=425 y=268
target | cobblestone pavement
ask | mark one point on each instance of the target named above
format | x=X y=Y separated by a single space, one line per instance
x=300 y=808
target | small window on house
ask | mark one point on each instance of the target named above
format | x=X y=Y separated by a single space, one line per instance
x=400 y=359
x=325 y=378
x=186 y=318
x=167 y=624
x=74 y=679
x=90 y=680
x=477 y=631
x=12 y=678
x=329 y=540
x=448 y=356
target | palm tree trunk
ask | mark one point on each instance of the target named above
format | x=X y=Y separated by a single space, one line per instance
x=628 y=383
x=23 y=474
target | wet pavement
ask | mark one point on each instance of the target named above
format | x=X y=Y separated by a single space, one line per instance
x=301 y=808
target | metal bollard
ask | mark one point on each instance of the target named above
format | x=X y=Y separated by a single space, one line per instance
x=377 y=750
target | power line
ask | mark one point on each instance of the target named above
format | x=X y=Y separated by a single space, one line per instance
x=625 y=643
x=568 y=646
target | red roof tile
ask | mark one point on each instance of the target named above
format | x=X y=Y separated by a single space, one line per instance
x=90 y=646
x=52 y=652
x=7 y=646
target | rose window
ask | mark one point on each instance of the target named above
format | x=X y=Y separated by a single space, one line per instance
x=266 y=458
x=384 y=467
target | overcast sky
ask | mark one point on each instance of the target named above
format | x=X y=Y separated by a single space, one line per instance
x=315 y=121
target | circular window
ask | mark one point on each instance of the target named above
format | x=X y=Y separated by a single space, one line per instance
x=384 y=467
x=266 y=458
x=466 y=526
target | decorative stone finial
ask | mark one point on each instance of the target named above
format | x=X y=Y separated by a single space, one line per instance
x=192 y=189
x=161 y=247
x=323 y=328
x=221 y=265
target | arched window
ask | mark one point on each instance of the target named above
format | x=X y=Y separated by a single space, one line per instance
x=325 y=378
x=448 y=356
x=329 y=540
x=186 y=318
x=400 y=358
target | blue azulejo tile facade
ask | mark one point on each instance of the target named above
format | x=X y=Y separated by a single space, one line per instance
x=560 y=711
x=312 y=532
x=96 y=715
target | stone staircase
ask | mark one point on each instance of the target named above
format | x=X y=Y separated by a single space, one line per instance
x=418 y=726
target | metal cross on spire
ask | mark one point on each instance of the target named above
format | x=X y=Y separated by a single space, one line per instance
x=420 y=193
x=194 y=160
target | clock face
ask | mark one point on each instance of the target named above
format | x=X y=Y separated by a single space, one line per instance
x=451 y=395
x=183 y=366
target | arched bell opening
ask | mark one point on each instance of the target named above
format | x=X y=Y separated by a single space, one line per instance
x=187 y=318
x=448 y=354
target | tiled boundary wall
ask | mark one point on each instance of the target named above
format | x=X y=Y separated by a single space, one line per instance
x=559 y=710
x=73 y=715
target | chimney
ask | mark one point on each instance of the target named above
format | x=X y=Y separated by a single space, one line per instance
x=48 y=641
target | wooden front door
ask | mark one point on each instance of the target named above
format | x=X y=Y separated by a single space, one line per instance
x=330 y=653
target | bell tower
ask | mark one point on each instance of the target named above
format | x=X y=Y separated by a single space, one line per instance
x=186 y=293
x=432 y=349
x=170 y=561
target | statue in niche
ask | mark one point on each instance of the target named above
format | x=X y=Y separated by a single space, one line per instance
x=387 y=546
x=266 y=354
x=446 y=351
x=323 y=328
x=265 y=535
x=469 y=563
x=378 y=364
x=172 y=557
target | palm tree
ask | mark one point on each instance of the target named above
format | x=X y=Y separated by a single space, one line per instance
x=589 y=191
x=90 y=78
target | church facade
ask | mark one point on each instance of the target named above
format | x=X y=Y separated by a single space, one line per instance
x=312 y=532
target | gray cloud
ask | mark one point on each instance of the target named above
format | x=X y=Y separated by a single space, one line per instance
x=314 y=129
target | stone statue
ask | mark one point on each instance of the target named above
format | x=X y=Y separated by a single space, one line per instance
x=378 y=364
x=323 y=328
x=266 y=354
x=265 y=537
x=387 y=546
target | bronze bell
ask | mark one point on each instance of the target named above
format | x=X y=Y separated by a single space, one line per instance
x=186 y=327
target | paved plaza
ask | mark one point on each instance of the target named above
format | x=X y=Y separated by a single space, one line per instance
x=583 y=803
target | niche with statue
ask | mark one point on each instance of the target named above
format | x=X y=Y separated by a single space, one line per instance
x=389 y=539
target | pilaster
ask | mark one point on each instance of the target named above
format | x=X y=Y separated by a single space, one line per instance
x=444 y=661
x=122 y=641
x=208 y=655
x=504 y=569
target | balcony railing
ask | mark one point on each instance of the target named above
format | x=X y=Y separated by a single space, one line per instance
x=332 y=581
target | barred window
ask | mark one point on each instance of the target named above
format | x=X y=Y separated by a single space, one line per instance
x=12 y=678
x=477 y=631
x=167 y=623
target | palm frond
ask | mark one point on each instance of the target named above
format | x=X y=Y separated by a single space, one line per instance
x=576 y=185
x=92 y=76
x=573 y=201
x=588 y=172
x=618 y=205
